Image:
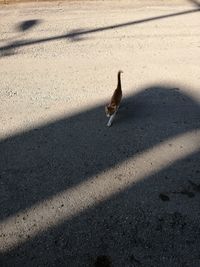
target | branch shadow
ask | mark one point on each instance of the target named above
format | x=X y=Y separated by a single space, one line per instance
x=80 y=35
x=135 y=227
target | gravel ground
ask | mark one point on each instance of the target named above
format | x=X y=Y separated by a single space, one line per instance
x=72 y=191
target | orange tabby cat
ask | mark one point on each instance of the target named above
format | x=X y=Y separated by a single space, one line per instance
x=112 y=107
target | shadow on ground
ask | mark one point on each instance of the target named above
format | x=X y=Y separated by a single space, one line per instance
x=153 y=222
x=82 y=34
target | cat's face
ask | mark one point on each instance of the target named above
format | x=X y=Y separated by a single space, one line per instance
x=109 y=110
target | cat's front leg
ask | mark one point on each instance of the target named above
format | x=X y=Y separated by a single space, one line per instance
x=111 y=118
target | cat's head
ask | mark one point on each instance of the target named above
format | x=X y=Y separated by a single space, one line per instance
x=110 y=110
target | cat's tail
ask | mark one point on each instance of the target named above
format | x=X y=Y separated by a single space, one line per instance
x=119 y=79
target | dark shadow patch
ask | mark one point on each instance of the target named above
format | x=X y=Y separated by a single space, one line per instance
x=103 y=261
x=27 y=24
x=164 y=197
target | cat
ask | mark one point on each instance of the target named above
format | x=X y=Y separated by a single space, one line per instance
x=112 y=107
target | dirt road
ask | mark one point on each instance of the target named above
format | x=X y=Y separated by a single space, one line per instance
x=72 y=191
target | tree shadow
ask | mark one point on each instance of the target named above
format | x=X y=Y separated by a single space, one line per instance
x=80 y=35
x=136 y=226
